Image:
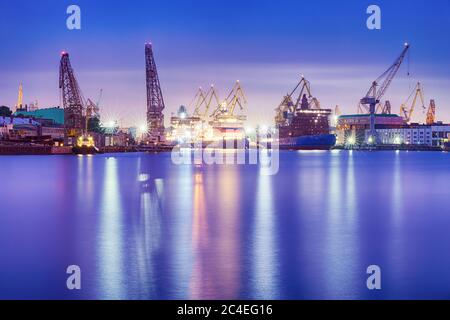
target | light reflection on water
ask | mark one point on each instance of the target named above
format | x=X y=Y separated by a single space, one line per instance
x=143 y=228
x=110 y=239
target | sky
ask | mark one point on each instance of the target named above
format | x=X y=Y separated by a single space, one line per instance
x=266 y=44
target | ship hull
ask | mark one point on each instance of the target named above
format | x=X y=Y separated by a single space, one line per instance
x=85 y=150
x=316 y=142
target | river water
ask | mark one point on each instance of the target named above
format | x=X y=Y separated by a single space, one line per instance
x=141 y=227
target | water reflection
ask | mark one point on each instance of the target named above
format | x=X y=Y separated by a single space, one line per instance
x=201 y=280
x=340 y=251
x=264 y=260
x=228 y=245
x=181 y=253
x=141 y=227
x=110 y=273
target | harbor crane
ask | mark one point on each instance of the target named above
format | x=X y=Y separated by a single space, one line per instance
x=431 y=114
x=288 y=107
x=379 y=88
x=384 y=108
x=235 y=98
x=72 y=100
x=93 y=109
x=205 y=99
x=408 y=111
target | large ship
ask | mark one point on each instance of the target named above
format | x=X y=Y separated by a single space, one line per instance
x=302 y=124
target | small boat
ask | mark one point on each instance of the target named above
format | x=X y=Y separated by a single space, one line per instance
x=85 y=145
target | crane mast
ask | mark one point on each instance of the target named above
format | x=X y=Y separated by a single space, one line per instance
x=288 y=108
x=431 y=114
x=72 y=99
x=377 y=91
x=418 y=95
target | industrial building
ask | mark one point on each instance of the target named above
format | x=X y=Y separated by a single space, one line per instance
x=414 y=134
x=55 y=114
x=351 y=129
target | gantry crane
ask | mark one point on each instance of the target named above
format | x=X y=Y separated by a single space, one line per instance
x=287 y=106
x=407 y=111
x=377 y=91
x=205 y=100
x=384 y=107
x=199 y=98
x=227 y=108
x=93 y=109
x=431 y=114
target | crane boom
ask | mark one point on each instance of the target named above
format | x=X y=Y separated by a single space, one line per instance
x=390 y=73
x=431 y=114
x=418 y=94
x=376 y=92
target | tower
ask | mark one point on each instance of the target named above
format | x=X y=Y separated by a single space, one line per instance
x=72 y=100
x=19 y=104
x=155 y=101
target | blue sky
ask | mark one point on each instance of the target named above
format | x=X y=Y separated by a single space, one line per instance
x=265 y=44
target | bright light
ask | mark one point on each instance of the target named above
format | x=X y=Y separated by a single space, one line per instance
x=370 y=140
x=336 y=118
x=183 y=115
x=398 y=140
x=351 y=140
x=143 y=128
x=110 y=124
x=263 y=129
x=249 y=130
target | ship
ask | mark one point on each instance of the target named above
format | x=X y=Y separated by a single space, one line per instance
x=302 y=124
x=85 y=145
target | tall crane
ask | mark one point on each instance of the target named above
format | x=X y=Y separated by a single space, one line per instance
x=72 y=99
x=377 y=91
x=407 y=111
x=431 y=114
x=155 y=101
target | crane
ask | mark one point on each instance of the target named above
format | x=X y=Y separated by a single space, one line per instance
x=406 y=111
x=287 y=106
x=93 y=109
x=205 y=99
x=431 y=114
x=199 y=98
x=377 y=91
x=235 y=98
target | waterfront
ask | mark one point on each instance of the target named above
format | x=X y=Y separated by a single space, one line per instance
x=141 y=227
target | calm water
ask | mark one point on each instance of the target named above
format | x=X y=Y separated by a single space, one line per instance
x=142 y=228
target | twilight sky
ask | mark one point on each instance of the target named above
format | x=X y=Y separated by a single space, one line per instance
x=265 y=44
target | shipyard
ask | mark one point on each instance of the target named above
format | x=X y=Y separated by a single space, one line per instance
x=222 y=151
x=300 y=122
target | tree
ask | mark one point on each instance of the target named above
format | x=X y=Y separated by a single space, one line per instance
x=5 y=111
x=94 y=125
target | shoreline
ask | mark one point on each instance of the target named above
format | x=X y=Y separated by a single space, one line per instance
x=29 y=149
